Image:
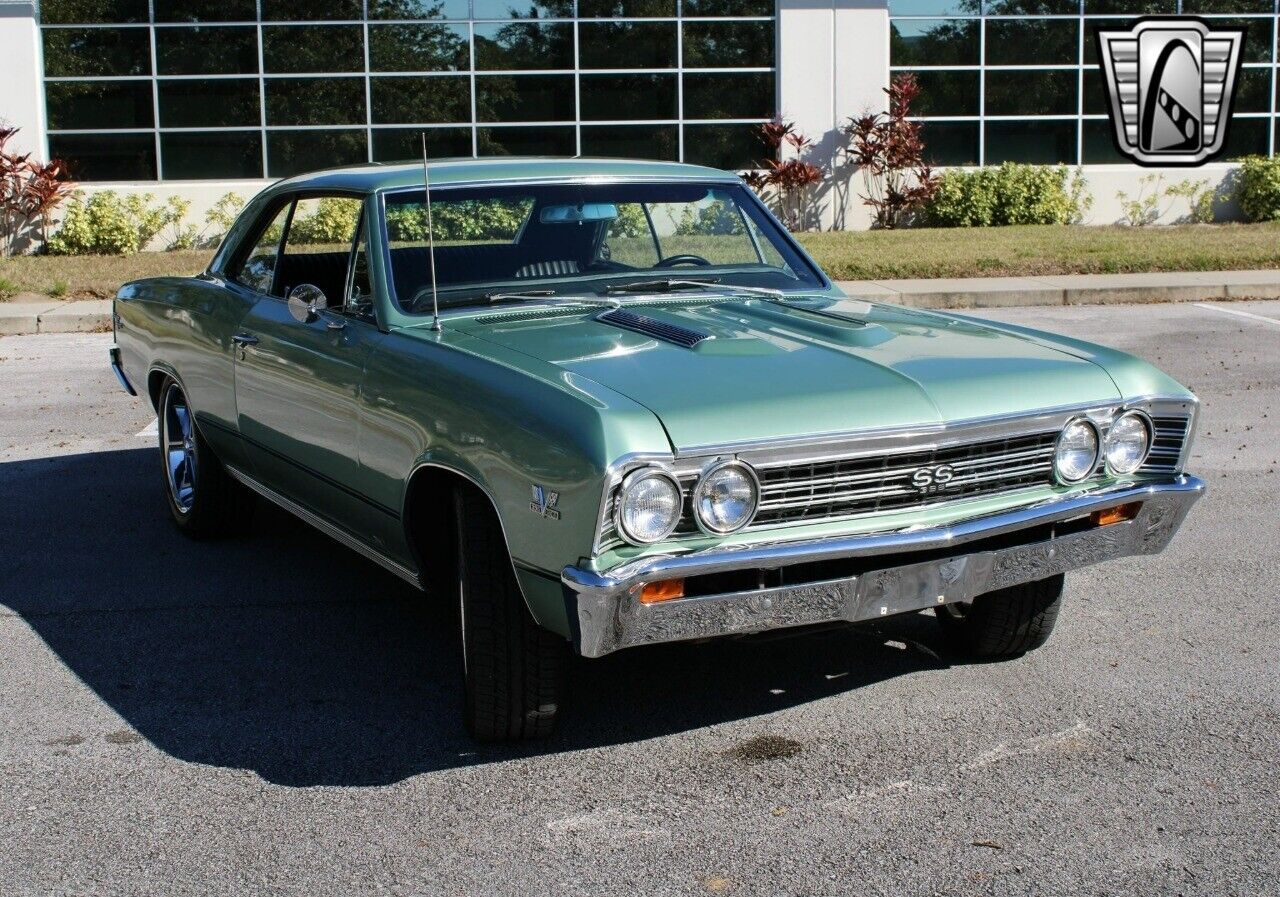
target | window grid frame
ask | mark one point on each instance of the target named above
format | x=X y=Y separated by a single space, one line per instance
x=265 y=129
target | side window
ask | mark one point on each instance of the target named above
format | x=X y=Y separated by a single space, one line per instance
x=359 y=299
x=317 y=248
x=258 y=270
x=629 y=240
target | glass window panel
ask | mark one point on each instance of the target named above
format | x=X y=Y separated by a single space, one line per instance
x=421 y=100
x=520 y=46
x=93 y=12
x=1096 y=99
x=935 y=7
x=210 y=155
x=607 y=9
x=295 y=49
x=946 y=93
x=632 y=141
x=311 y=10
x=197 y=103
x=207 y=51
x=728 y=44
x=1253 y=91
x=950 y=142
x=82 y=105
x=635 y=97
x=258 y=270
x=933 y=42
x=394 y=144
x=729 y=7
x=1011 y=92
x=1257 y=36
x=507 y=98
x=1130 y=7
x=106 y=157
x=1100 y=143
x=732 y=147
x=1032 y=41
x=96 y=52
x=628 y=45
x=1247 y=137
x=1195 y=7
x=315 y=101
x=206 y=10
x=526 y=141
x=426 y=47
x=1032 y=7
x=295 y=152
x=323 y=224
x=1040 y=142
x=524 y=9
x=419 y=9
x=720 y=95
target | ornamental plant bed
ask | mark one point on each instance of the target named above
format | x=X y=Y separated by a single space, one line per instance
x=863 y=255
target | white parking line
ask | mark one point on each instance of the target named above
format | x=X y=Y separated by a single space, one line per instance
x=1238 y=313
x=152 y=431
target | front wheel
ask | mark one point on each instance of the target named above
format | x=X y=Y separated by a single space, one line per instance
x=513 y=669
x=1004 y=623
x=203 y=499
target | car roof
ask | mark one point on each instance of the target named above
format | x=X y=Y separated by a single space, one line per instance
x=394 y=175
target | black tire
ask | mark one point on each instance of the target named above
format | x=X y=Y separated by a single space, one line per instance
x=203 y=500
x=513 y=670
x=1004 y=623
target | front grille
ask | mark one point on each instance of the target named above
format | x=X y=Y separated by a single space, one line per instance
x=1166 y=448
x=841 y=488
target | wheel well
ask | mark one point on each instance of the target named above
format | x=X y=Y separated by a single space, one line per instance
x=154 y=381
x=430 y=525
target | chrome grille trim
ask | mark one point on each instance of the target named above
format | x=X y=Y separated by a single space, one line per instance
x=1168 y=445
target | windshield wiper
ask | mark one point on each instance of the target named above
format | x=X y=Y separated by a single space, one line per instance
x=528 y=295
x=661 y=286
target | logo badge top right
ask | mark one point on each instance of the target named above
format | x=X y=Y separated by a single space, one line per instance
x=1170 y=82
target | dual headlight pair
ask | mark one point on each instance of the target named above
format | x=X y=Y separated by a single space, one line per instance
x=650 y=502
x=1123 y=451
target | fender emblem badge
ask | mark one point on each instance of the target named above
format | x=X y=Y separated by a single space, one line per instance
x=544 y=503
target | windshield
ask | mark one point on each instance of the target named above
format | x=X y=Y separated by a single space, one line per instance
x=562 y=239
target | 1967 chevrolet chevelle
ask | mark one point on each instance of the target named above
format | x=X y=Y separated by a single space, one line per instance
x=641 y=414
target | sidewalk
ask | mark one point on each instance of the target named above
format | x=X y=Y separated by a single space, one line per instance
x=28 y=313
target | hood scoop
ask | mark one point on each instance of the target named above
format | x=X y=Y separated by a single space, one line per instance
x=671 y=333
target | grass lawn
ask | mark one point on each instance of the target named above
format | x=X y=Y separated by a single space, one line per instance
x=866 y=255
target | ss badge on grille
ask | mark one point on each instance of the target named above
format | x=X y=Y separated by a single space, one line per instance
x=933 y=479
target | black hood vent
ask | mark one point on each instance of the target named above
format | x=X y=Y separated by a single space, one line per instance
x=672 y=333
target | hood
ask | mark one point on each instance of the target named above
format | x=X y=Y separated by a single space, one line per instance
x=759 y=369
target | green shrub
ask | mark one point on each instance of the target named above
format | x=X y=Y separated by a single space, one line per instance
x=329 y=223
x=1259 y=188
x=108 y=224
x=1009 y=194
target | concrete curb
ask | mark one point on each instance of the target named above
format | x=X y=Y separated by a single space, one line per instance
x=51 y=316
x=1071 y=289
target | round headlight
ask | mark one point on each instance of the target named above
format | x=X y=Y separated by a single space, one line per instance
x=649 y=506
x=724 y=500
x=1128 y=441
x=1077 y=451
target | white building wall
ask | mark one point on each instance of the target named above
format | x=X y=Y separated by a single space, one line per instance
x=21 y=78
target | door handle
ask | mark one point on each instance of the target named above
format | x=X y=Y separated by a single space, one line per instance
x=335 y=324
x=245 y=339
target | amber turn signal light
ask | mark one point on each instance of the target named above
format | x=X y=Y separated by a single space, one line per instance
x=1118 y=514
x=664 y=590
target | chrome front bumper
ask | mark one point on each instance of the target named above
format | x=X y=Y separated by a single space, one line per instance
x=610 y=616
x=118 y=369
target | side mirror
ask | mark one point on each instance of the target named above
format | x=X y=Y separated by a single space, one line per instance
x=306 y=301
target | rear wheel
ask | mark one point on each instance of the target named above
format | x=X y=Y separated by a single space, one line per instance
x=513 y=669
x=1004 y=623
x=203 y=499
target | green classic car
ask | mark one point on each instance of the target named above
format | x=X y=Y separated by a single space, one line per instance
x=604 y=404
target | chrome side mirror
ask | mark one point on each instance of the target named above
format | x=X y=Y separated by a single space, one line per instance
x=306 y=301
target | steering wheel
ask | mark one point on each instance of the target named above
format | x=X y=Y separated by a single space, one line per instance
x=687 y=259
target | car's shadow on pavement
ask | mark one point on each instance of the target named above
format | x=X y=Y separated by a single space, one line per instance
x=283 y=653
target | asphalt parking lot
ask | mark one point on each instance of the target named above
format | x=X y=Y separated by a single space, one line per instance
x=276 y=715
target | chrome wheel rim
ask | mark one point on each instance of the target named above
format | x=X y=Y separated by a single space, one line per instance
x=178 y=435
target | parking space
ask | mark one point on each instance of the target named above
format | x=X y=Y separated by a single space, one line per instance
x=274 y=714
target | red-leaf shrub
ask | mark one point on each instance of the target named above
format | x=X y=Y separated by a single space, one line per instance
x=786 y=184
x=30 y=191
x=889 y=153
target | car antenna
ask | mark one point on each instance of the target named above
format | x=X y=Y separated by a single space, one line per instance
x=431 y=238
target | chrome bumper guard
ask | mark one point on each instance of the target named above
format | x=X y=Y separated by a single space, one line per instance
x=610 y=616
x=118 y=370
